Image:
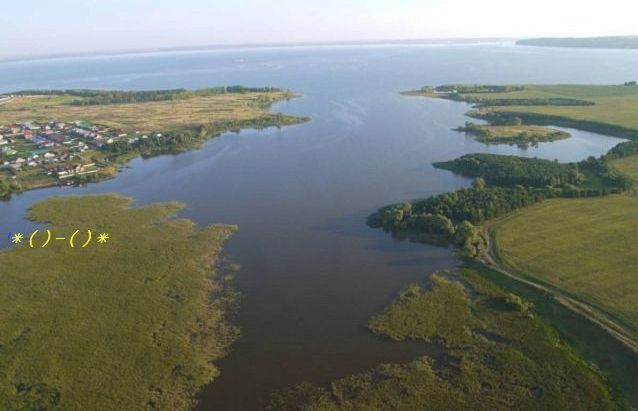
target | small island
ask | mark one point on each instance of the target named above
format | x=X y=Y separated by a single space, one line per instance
x=63 y=137
x=516 y=133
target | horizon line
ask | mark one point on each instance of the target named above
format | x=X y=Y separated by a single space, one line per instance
x=230 y=46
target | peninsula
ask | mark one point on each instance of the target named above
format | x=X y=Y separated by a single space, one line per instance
x=55 y=137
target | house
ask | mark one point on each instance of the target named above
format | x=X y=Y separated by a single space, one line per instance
x=55 y=137
x=27 y=134
x=31 y=126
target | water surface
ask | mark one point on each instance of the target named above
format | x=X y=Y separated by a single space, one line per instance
x=312 y=272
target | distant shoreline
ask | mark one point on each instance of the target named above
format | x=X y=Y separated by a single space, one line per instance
x=604 y=42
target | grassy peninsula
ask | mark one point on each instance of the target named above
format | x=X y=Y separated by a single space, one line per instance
x=51 y=137
x=607 y=109
x=134 y=323
x=500 y=356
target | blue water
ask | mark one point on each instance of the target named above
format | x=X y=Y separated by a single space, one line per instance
x=312 y=272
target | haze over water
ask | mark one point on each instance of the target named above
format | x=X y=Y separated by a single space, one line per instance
x=312 y=272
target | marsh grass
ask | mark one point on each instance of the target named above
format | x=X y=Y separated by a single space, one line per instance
x=524 y=366
x=135 y=323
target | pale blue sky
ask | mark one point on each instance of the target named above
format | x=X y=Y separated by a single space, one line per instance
x=61 y=26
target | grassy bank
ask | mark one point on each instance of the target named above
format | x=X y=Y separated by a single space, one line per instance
x=501 y=356
x=135 y=323
x=585 y=247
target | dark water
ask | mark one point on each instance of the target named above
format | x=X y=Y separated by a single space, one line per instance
x=312 y=272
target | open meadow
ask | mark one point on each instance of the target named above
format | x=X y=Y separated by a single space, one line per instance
x=144 y=116
x=585 y=247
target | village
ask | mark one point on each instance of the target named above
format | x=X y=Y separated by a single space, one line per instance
x=54 y=148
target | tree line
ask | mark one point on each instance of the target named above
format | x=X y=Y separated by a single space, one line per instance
x=103 y=97
x=514 y=183
x=185 y=139
x=512 y=170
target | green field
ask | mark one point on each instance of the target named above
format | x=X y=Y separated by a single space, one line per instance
x=132 y=324
x=585 y=247
x=499 y=356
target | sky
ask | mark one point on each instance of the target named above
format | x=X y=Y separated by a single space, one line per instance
x=34 y=27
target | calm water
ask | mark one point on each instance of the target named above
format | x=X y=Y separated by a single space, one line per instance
x=312 y=272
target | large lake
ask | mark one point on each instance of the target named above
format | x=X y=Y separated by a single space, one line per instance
x=312 y=272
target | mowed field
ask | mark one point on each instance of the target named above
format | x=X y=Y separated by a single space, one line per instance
x=585 y=247
x=613 y=104
x=148 y=116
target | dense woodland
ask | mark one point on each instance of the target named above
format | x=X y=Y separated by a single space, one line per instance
x=511 y=170
x=502 y=184
x=101 y=97
x=621 y=150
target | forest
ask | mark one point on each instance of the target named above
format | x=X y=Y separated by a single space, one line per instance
x=512 y=170
x=502 y=184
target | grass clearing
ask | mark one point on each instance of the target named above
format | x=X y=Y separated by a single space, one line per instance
x=131 y=324
x=627 y=165
x=585 y=247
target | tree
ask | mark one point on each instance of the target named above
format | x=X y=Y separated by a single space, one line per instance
x=478 y=183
